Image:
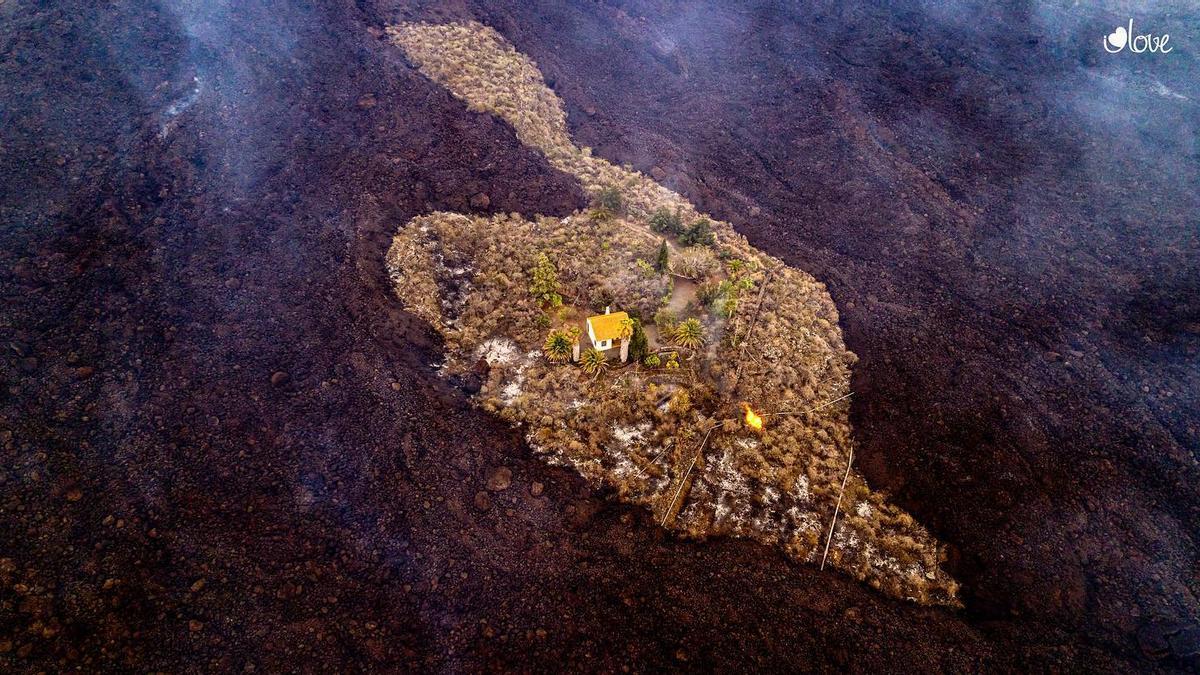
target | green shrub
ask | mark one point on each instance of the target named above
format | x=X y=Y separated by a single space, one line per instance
x=666 y=222
x=709 y=292
x=652 y=361
x=610 y=199
x=695 y=263
x=599 y=215
x=726 y=306
x=665 y=320
x=601 y=297
x=699 y=234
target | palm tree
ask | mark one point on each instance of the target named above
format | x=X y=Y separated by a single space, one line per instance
x=592 y=361
x=558 y=346
x=573 y=334
x=689 y=333
x=626 y=328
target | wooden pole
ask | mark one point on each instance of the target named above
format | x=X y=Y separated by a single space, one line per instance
x=802 y=412
x=642 y=470
x=737 y=376
x=683 y=482
x=836 y=508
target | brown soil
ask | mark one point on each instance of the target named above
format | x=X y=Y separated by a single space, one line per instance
x=225 y=446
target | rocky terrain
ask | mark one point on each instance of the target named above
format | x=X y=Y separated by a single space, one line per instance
x=226 y=446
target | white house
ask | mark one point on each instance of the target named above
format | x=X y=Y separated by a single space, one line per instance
x=604 y=330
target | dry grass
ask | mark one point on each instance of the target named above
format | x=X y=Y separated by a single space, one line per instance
x=635 y=428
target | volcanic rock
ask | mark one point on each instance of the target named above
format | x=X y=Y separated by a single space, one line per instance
x=501 y=479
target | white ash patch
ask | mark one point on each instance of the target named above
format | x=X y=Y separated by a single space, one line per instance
x=769 y=495
x=589 y=468
x=497 y=351
x=802 y=493
x=747 y=443
x=770 y=517
x=630 y=435
x=725 y=477
x=801 y=521
x=688 y=514
x=765 y=524
x=1166 y=92
x=536 y=447
x=656 y=485
x=732 y=488
x=513 y=388
x=845 y=539
x=886 y=563
x=623 y=467
x=880 y=561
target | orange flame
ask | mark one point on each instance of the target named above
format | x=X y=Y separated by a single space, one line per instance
x=752 y=419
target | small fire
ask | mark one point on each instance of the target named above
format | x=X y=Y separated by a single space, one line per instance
x=752 y=419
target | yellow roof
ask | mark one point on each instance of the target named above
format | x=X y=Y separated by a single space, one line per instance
x=607 y=326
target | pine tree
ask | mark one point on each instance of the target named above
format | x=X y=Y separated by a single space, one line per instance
x=663 y=261
x=545 y=281
x=638 y=343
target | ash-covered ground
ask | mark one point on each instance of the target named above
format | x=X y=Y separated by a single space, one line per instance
x=226 y=448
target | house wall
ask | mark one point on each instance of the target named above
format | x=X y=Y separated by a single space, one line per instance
x=598 y=344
